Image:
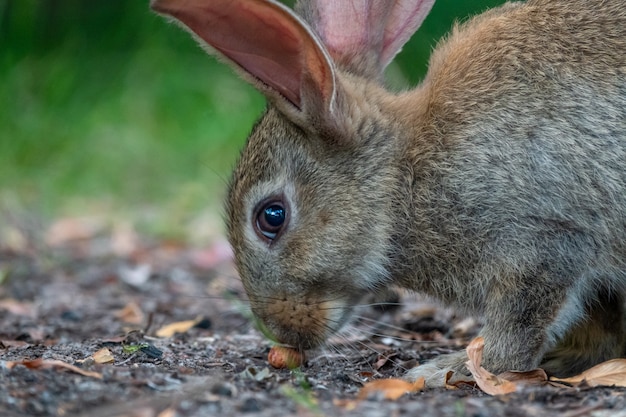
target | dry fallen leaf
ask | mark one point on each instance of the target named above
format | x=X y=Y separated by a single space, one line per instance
x=252 y=373
x=49 y=364
x=391 y=389
x=457 y=382
x=382 y=360
x=607 y=373
x=13 y=343
x=178 y=327
x=104 y=355
x=168 y=412
x=535 y=377
x=131 y=313
x=18 y=308
x=486 y=381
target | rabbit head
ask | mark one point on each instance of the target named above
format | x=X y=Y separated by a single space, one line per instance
x=310 y=215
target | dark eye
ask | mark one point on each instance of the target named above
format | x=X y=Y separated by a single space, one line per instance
x=271 y=218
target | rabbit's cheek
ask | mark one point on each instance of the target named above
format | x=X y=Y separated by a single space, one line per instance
x=302 y=322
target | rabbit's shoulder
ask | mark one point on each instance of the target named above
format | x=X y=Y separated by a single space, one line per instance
x=524 y=40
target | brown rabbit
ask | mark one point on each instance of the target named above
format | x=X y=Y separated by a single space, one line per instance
x=498 y=185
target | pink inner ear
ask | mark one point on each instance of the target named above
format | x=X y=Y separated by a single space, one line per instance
x=352 y=28
x=406 y=17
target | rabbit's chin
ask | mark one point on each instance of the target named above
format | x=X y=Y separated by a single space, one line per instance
x=303 y=323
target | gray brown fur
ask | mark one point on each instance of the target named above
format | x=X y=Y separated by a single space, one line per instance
x=498 y=186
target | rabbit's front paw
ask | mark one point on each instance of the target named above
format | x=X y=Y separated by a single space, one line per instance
x=435 y=371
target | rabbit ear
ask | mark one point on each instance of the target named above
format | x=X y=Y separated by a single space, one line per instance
x=405 y=18
x=365 y=35
x=267 y=44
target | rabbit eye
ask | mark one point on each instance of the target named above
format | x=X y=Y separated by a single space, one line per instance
x=270 y=219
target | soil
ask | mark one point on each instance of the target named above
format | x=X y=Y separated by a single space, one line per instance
x=68 y=301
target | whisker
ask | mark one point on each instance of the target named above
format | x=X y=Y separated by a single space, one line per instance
x=388 y=357
x=353 y=343
x=378 y=304
x=379 y=323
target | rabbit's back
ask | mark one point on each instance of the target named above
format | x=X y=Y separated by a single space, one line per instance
x=519 y=151
x=563 y=57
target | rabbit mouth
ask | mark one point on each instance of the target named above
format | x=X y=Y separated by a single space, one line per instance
x=303 y=323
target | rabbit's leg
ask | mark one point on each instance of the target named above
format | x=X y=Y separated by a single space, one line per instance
x=434 y=371
x=521 y=324
x=598 y=337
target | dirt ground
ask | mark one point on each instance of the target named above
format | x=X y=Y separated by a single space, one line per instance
x=61 y=303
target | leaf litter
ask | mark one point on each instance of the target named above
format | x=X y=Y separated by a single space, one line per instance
x=68 y=325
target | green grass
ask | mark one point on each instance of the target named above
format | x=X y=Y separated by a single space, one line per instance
x=109 y=108
x=154 y=125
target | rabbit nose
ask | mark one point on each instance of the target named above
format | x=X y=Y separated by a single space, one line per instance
x=299 y=321
x=301 y=315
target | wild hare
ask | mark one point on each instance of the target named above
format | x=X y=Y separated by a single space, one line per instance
x=498 y=185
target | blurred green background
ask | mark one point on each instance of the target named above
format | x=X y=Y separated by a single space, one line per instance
x=107 y=109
